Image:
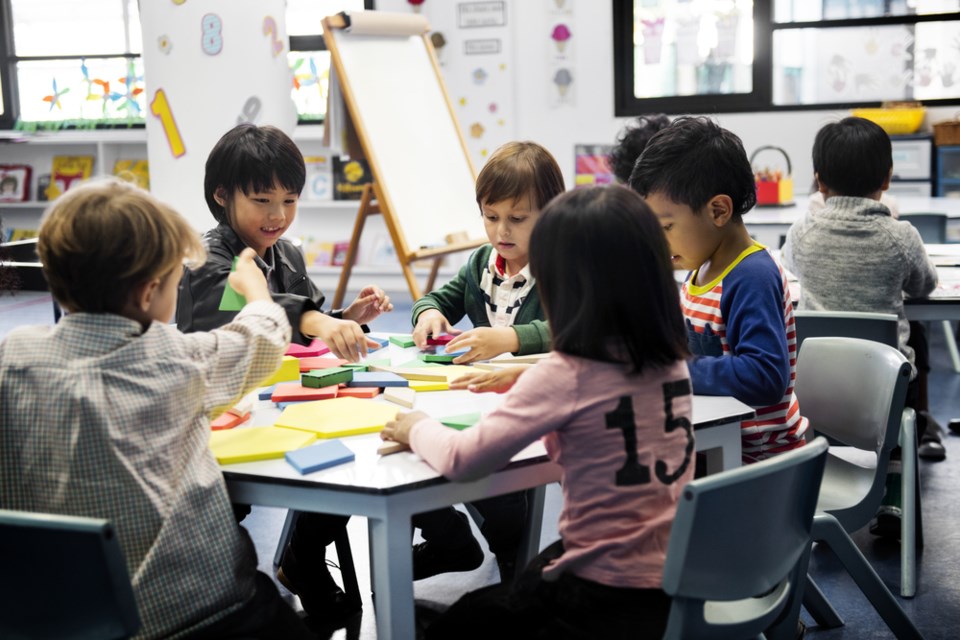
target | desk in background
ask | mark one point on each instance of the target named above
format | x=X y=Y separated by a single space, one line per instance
x=389 y=490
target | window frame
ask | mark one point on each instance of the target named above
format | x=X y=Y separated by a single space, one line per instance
x=761 y=98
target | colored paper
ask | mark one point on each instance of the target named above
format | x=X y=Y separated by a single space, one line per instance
x=338 y=417
x=320 y=456
x=289 y=371
x=256 y=443
x=231 y=300
x=462 y=421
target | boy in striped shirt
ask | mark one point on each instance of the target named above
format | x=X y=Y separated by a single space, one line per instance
x=696 y=177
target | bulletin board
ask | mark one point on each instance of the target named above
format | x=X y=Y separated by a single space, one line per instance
x=396 y=101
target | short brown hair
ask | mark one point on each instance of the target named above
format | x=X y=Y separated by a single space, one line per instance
x=101 y=239
x=517 y=169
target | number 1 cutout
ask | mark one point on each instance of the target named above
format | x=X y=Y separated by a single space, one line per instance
x=161 y=109
x=632 y=472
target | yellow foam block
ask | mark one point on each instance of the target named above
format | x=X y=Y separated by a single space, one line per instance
x=289 y=371
x=428 y=385
x=337 y=417
x=453 y=371
x=256 y=443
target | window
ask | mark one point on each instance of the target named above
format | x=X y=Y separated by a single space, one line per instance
x=67 y=63
x=703 y=56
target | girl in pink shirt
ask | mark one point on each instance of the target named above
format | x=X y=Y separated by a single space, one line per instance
x=612 y=405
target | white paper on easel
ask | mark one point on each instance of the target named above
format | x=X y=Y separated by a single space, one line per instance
x=335 y=124
x=210 y=64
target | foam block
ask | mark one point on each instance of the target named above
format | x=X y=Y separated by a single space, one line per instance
x=358 y=392
x=228 y=420
x=403 y=341
x=338 y=417
x=383 y=342
x=389 y=447
x=315 y=348
x=326 y=377
x=319 y=456
x=266 y=393
x=256 y=443
x=429 y=385
x=403 y=396
x=296 y=392
x=289 y=371
x=441 y=355
x=461 y=421
x=443 y=339
x=311 y=364
x=377 y=379
x=418 y=364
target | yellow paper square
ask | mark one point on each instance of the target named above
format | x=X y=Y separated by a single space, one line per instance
x=337 y=417
x=289 y=371
x=256 y=443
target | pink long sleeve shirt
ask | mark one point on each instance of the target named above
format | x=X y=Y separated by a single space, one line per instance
x=624 y=442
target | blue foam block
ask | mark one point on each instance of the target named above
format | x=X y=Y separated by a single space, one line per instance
x=383 y=342
x=377 y=379
x=284 y=405
x=319 y=456
x=267 y=392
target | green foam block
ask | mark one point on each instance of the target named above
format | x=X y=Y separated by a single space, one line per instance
x=461 y=421
x=326 y=377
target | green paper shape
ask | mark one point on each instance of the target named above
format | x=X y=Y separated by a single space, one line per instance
x=231 y=300
x=462 y=421
x=319 y=378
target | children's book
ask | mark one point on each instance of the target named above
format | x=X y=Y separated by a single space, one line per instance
x=67 y=172
x=350 y=177
x=319 y=185
x=135 y=171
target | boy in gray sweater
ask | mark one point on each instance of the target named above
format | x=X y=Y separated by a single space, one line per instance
x=852 y=255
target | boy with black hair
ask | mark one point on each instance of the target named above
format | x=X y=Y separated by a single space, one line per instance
x=696 y=177
x=631 y=142
x=852 y=255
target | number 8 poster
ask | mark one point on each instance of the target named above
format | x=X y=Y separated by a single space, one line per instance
x=208 y=66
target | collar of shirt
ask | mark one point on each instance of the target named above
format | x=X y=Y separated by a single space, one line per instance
x=268 y=264
x=93 y=334
x=498 y=267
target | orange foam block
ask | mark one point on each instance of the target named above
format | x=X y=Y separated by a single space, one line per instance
x=315 y=348
x=228 y=420
x=311 y=364
x=358 y=392
x=296 y=392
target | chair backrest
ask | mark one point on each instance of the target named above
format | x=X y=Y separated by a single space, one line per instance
x=932 y=226
x=853 y=391
x=879 y=327
x=63 y=577
x=733 y=562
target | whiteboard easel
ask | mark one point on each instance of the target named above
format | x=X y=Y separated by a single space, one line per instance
x=397 y=104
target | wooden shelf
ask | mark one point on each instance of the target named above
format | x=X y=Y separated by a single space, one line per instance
x=30 y=204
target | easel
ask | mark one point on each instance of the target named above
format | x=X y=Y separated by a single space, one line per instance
x=402 y=40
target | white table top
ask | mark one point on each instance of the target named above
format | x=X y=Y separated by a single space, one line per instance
x=906 y=205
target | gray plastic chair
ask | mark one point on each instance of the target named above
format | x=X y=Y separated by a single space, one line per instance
x=63 y=577
x=736 y=561
x=853 y=391
x=883 y=328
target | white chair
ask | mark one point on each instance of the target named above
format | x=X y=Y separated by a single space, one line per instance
x=853 y=391
x=883 y=328
x=738 y=551
x=63 y=577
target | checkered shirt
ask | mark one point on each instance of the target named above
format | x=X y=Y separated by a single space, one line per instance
x=504 y=294
x=100 y=418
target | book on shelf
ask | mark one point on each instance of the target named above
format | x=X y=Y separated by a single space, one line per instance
x=319 y=185
x=135 y=171
x=14 y=182
x=67 y=172
x=350 y=177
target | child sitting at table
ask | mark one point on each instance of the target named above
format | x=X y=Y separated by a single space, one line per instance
x=496 y=291
x=254 y=176
x=106 y=414
x=612 y=404
x=832 y=251
x=697 y=179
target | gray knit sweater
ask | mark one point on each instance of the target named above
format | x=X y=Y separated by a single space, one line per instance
x=853 y=256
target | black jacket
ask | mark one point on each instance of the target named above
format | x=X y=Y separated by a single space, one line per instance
x=200 y=291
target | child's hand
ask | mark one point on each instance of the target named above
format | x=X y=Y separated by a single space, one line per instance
x=247 y=279
x=496 y=381
x=398 y=430
x=371 y=302
x=484 y=343
x=344 y=337
x=431 y=323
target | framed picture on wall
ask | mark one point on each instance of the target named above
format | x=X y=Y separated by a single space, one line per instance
x=14 y=182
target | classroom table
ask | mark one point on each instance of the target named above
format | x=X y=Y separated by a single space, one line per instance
x=389 y=490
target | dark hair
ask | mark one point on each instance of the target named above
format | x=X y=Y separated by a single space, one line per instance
x=852 y=157
x=517 y=169
x=632 y=141
x=252 y=158
x=585 y=245
x=693 y=160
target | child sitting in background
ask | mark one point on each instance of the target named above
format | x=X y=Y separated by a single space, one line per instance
x=631 y=142
x=496 y=291
x=697 y=179
x=600 y=402
x=106 y=414
x=852 y=255
x=254 y=176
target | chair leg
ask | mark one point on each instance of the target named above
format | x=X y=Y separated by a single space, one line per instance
x=827 y=529
x=348 y=571
x=785 y=628
x=285 y=534
x=908 y=521
x=951 y=345
x=819 y=607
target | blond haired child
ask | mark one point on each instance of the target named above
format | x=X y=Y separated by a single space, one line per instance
x=107 y=413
